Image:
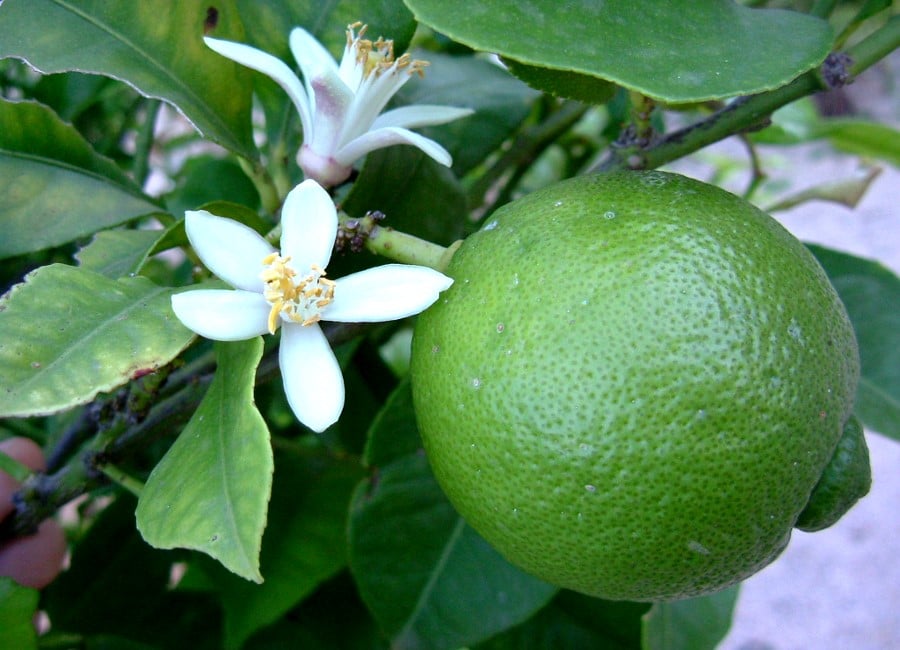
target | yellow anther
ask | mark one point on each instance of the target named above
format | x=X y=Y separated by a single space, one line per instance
x=299 y=301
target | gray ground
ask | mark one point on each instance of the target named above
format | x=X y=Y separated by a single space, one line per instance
x=838 y=589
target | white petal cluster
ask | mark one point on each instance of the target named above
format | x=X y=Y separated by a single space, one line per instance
x=288 y=288
x=340 y=106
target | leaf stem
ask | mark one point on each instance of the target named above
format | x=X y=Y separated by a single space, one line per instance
x=117 y=475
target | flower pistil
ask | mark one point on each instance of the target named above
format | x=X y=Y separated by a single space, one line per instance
x=299 y=302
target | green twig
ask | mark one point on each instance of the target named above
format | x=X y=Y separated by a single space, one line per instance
x=753 y=112
x=357 y=234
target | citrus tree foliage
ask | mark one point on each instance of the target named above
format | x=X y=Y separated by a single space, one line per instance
x=209 y=515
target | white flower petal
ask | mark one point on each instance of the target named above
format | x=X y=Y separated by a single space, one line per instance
x=312 y=377
x=222 y=314
x=351 y=70
x=308 y=226
x=231 y=250
x=385 y=293
x=333 y=100
x=415 y=115
x=386 y=137
x=312 y=57
x=371 y=97
x=270 y=66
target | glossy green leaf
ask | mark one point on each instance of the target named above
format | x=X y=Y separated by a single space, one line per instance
x=156 y=47
x=871 y=294
x=304 y=543
x=564 y=83
x=397 y=417
x=211 y=489
x=399 y=181
x=117 y=589
x=692 y=624
x=18 y=605
x=572 y=620
x=269 y=23
x=677 y=51
x=118 y=253
x=55 y=187
x=500 y=101
x=68 y=333
x=203 y=179
x=427 y=577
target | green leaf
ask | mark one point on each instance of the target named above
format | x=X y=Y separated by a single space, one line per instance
x=304 y=543
x=204 y=179
x=118 y=586
x=871 y=294
x=501 y=104
x=692 y=624
x=118 y=253
x=678 y=51
x=801 y=121
x=572 y=620
x=454 y=589
x=68 y=333
x=211 y=489
x=397 y=417
x=861 y=138
x=399 y=181
x=269 y=23
x=55 y=187
x=18 y=605
x=564 y=83
x=156 y=47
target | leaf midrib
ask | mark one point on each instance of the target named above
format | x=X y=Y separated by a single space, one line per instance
x=436 y=573
x=23 y=387
x=209 y=114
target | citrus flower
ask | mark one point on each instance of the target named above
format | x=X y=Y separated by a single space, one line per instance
x=288 y=288
x=340 y=106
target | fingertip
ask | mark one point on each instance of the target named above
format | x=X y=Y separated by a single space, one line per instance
x=36 y=560
x=25 y=451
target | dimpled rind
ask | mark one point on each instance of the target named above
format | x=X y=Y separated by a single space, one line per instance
x=633 y=384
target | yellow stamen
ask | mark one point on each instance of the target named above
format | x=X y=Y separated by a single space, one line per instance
x=299 y=301
x=378 y=56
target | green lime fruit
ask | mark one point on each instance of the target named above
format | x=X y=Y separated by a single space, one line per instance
x=634 y=384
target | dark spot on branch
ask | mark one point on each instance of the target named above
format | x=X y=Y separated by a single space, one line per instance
x=836 y=69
